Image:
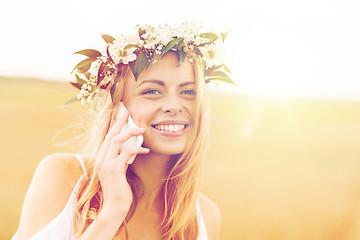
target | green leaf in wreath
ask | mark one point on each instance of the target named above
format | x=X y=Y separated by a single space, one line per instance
x=100 y=76
x=77 y=85
x=109 y=55
x=75 y=99
x=84 y=68
x=227 y=80
x=225 y=34
x=87 y=75
x=84 y=65
x=107 y=38
x=90 y=53
x=213 y=68
x=132 y=67
x=79 y=80
x=141 y=32
x=182 y=56
x=220 y=76
x=210 y=35
x=142 y=62
x=169 y=46
x=227 y=69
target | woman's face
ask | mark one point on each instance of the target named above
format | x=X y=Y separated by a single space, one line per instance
x=162 y=101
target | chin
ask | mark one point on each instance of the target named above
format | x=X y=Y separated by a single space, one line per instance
x=165 y=148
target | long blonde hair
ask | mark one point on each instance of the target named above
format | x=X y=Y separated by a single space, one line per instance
x=181 y=187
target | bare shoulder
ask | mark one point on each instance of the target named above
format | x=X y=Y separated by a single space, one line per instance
x=48 y=193
x=211 y=214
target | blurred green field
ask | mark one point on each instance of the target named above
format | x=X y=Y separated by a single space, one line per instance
x=278 y=169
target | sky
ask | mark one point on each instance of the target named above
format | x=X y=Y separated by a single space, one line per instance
x=282 y=48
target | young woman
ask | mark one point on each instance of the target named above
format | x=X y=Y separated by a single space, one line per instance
x=100 y=194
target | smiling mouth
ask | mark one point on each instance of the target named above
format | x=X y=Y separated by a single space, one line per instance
x=170 y=127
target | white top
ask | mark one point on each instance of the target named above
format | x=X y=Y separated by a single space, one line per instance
x=61 y=227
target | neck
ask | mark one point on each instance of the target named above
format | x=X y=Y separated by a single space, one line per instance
x=152 y=169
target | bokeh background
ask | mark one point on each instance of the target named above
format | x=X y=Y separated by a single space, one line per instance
x=284 y=156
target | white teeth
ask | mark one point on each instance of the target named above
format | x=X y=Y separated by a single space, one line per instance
x=170 y=128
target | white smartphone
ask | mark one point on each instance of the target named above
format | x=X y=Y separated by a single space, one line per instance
x=137 y=140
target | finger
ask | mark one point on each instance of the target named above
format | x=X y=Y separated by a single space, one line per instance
x=115 y=129
x=120 y=163
x=118 y=124
x=130 y=152
x=118 y=140
x=132 y=157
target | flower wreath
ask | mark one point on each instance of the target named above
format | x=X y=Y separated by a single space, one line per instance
x=101 y=71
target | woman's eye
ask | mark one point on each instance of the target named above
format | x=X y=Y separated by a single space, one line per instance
x=151 y=91
x=189 y=92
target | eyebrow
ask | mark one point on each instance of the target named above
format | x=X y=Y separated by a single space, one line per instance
x=186 y=83
x=163 y=83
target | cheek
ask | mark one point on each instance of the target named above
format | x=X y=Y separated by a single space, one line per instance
x=142 y=113
x=190 y=109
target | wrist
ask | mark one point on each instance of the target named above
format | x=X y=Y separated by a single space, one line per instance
x=113 y=211
x=105 y=225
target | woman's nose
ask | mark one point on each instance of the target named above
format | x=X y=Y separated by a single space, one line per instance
x=172 y=106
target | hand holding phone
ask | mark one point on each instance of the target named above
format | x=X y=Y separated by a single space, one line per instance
x=120 y=146
x=133 y=141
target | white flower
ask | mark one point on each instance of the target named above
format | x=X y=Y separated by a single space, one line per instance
x=149 y=45
x=133 y=38
x=118 y=52
x=140 y=43
x=79 y=96
x=188 y=31
x=213 y=54
x=188 y=27
x=165 y=35
x=129 y=58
